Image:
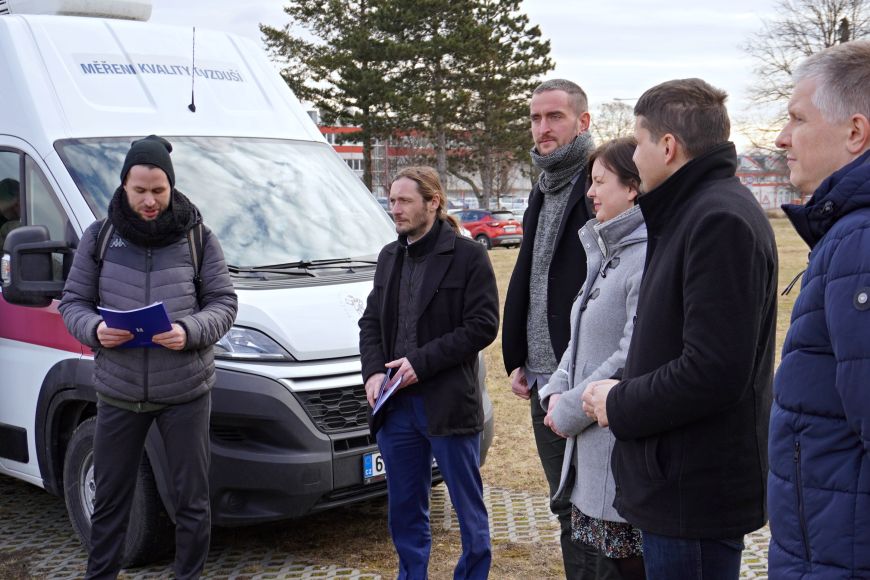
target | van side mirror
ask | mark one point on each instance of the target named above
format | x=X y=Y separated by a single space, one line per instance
x=27 y=270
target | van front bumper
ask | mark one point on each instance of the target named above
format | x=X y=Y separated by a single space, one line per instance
x=270 y=462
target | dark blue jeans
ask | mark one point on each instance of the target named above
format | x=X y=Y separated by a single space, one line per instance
x=407 y=449
x=666 y=558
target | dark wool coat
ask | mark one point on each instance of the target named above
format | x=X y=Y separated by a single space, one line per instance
x=691 y=414
x=457 y=318
x=820 y=425
x=567 y=273
x=132 y=277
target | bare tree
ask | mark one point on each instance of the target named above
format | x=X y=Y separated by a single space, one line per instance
x=612 y=120
x=799 y=29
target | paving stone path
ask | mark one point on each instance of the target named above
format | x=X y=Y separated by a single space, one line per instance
x=35 y=522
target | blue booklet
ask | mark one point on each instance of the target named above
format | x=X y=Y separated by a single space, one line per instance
x=386 y=391
x=143 y=322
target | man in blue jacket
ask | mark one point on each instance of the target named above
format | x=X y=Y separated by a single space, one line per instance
x=819 y=482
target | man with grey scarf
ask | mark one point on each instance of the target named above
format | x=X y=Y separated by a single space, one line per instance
x=549 y=272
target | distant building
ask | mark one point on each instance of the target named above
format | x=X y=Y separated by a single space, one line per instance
x=766 y=176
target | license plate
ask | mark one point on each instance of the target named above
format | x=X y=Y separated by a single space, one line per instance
x=510 y=229
x=373 y=467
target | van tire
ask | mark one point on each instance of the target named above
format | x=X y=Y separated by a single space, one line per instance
x=150 y=533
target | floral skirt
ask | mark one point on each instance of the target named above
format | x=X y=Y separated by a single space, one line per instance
x=613 y=539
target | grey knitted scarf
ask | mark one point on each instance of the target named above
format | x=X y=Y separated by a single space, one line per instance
x=562 y=164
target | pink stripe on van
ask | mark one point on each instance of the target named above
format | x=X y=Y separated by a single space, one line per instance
x=37 y=326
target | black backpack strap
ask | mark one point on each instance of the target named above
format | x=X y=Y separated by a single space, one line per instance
x=196 y=242
x=104 y=236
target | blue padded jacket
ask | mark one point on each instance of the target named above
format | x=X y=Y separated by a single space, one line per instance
x=819 y=481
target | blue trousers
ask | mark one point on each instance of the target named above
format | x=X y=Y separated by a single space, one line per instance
x=407 y=449
x=690 y=559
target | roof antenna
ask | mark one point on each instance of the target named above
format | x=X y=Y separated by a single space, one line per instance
x=192 y=105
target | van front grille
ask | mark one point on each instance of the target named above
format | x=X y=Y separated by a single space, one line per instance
x=337 y=409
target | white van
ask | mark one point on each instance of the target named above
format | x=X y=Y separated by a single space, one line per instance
x=288 y=429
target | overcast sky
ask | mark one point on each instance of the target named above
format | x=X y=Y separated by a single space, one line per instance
x=612 y=48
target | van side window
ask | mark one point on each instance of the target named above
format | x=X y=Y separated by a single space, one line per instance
x=43 y=208
x=10 y=193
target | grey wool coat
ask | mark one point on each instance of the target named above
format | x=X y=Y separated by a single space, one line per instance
x=132 y=277
x=602 y=320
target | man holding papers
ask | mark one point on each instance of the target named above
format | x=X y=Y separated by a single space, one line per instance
x=433 y=307
x=148 y=256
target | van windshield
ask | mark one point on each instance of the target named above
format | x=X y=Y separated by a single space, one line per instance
x=269 y=201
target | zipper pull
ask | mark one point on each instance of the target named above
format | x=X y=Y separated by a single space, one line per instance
x=797 y=451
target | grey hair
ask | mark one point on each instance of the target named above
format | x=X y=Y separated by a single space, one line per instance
x=576 y=95
x=842 y=76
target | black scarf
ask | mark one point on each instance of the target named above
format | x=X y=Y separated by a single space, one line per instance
x=171 y=225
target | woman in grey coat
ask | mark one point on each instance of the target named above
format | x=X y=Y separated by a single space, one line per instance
x=602 y=320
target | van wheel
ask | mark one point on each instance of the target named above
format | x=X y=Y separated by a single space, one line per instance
x=484 y=241
x=150 y=533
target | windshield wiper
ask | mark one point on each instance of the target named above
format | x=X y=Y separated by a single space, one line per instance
x=317 y=264
x=349 y=262
x=288 y=271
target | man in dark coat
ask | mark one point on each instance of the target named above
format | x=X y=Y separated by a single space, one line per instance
x=548 y=274
x=820 y=425
x=149 y=258
x=690 y=414
x=433 y=308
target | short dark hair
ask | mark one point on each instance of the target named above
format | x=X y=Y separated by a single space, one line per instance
x=691 y=110
x=616 y=155
x=576 y=95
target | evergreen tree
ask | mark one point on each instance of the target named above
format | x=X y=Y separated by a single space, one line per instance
x=455 y=73
x=506 y=64
x=434 y=42
x=345 y=71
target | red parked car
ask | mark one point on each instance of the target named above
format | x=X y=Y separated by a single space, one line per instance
x=492 y=228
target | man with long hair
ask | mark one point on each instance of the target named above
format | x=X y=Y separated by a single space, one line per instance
x=433 y=308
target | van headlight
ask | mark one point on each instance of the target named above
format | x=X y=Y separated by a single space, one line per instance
x=252 y=345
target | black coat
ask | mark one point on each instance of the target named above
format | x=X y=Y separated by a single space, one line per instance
x=458 y=317
x=692 y=412
x=567 y=273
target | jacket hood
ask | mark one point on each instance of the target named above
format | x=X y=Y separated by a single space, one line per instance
x=844 y=191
